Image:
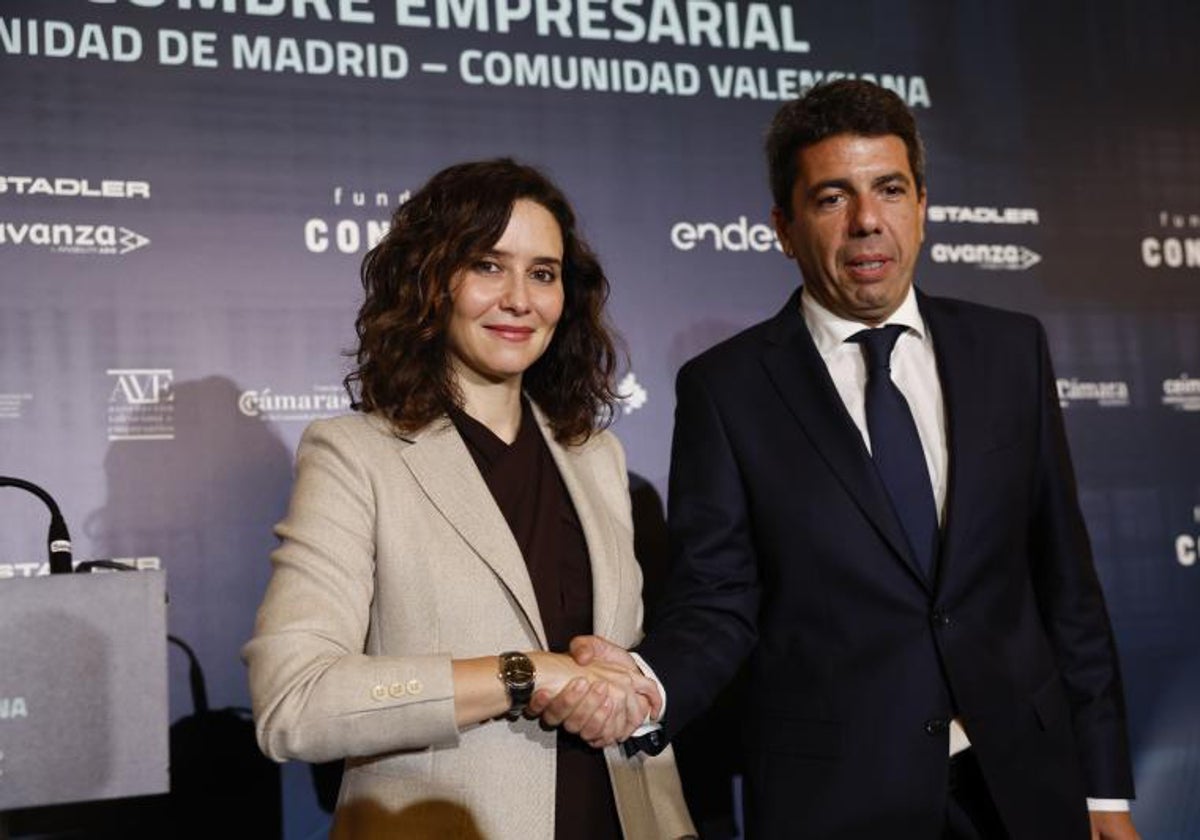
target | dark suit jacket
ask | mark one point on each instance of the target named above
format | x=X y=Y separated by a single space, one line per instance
x=785 y=550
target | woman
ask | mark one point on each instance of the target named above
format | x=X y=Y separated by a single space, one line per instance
x=468 y=520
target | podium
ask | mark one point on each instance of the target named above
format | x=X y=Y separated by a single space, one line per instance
x=83 y=688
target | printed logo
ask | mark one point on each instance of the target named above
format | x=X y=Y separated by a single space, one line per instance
x=72 y=187
x=41 y=568
x=982 y=215
x=1106 y=394
x=1176 y=244
x=12 y=406
x=1182 y=393
x=322 y=401
x=12 y=708
x=70 y=238
x=353 y=235
x=141 y=405
x=738 y=235
x=631 y=394
x=1011 y=257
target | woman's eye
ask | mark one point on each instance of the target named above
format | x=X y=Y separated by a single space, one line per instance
x=486 y=267
x=545 y=275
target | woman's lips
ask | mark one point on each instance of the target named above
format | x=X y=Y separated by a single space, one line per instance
x=510 y=333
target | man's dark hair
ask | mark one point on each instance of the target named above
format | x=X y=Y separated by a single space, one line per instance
x=847 y=106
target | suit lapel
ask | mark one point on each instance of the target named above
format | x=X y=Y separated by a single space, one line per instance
x=602 y=546
x=803 y=382
x=441 y=464
x=963 y=373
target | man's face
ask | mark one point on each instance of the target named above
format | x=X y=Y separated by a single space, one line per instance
x=857 y=224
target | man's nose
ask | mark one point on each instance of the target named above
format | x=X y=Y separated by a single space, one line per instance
x=864 y=216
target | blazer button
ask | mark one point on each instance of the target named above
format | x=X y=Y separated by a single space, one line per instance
x=379 y=692
x=936 y=726
x=396 y=689
x=414 y=686
x=940 y=619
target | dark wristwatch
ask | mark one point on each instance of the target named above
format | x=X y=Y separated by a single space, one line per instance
x=517 y=673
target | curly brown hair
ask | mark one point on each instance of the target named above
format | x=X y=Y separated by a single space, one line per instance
x=403 y=371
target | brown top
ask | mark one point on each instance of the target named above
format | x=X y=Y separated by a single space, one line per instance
x=530 y=493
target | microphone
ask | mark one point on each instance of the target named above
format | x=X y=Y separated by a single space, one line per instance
x=57 y=539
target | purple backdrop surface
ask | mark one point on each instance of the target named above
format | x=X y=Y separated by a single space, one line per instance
x=186 y=189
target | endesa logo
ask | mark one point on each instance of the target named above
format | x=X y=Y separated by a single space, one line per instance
x=72 y=187
x=738 y=235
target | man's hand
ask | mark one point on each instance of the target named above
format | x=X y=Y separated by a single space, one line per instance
x=606 y=702
x=1112 y=825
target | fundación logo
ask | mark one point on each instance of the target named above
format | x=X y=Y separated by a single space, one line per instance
x=141 y=404
x=347 y=235
x=73 y=238
x=1187 y=544
x=1181 y=393
x=1176 y=244
x=1074 y=391
x=321 y=401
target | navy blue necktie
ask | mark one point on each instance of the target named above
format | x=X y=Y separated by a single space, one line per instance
x=896 y=447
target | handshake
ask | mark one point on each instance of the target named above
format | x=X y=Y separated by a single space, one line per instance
x=597 y=692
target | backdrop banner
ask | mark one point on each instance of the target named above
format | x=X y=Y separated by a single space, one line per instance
x=187 y=188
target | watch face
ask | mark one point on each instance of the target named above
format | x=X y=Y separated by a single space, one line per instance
x=517 y=668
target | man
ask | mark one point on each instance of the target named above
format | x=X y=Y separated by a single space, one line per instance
x=871 y=499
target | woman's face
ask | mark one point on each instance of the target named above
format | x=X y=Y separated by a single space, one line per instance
x=508 y=302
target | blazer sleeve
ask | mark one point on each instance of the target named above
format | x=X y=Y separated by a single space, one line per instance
x=1072 y=605
x=708 y=622
x=317 y=694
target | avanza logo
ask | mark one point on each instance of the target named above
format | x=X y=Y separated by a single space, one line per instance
x=71 y=238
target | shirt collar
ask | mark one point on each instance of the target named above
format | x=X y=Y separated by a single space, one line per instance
x=830 y=331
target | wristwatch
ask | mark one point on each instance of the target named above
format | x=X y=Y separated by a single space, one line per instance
x=517 y=673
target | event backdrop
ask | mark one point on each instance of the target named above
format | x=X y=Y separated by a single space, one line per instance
x=187 y=188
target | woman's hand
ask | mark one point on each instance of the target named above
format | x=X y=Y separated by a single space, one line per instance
x=604 y=701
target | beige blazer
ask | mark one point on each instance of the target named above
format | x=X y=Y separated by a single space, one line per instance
x=394 y=559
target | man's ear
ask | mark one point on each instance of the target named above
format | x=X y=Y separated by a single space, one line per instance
x=780 y=222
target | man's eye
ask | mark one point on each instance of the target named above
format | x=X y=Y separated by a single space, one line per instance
x=831 y=200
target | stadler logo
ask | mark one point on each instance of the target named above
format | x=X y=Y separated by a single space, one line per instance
x=348 y=235
x=41 y=568
x=1106 y=394
x=631 y=394
x=1173 y=250
x=1182 y=393
x=322 y=401
x=141 y=404
x=1011 y=257
x=738 y=235
x=72 y=187
x=982 y=215
x=64 y=238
